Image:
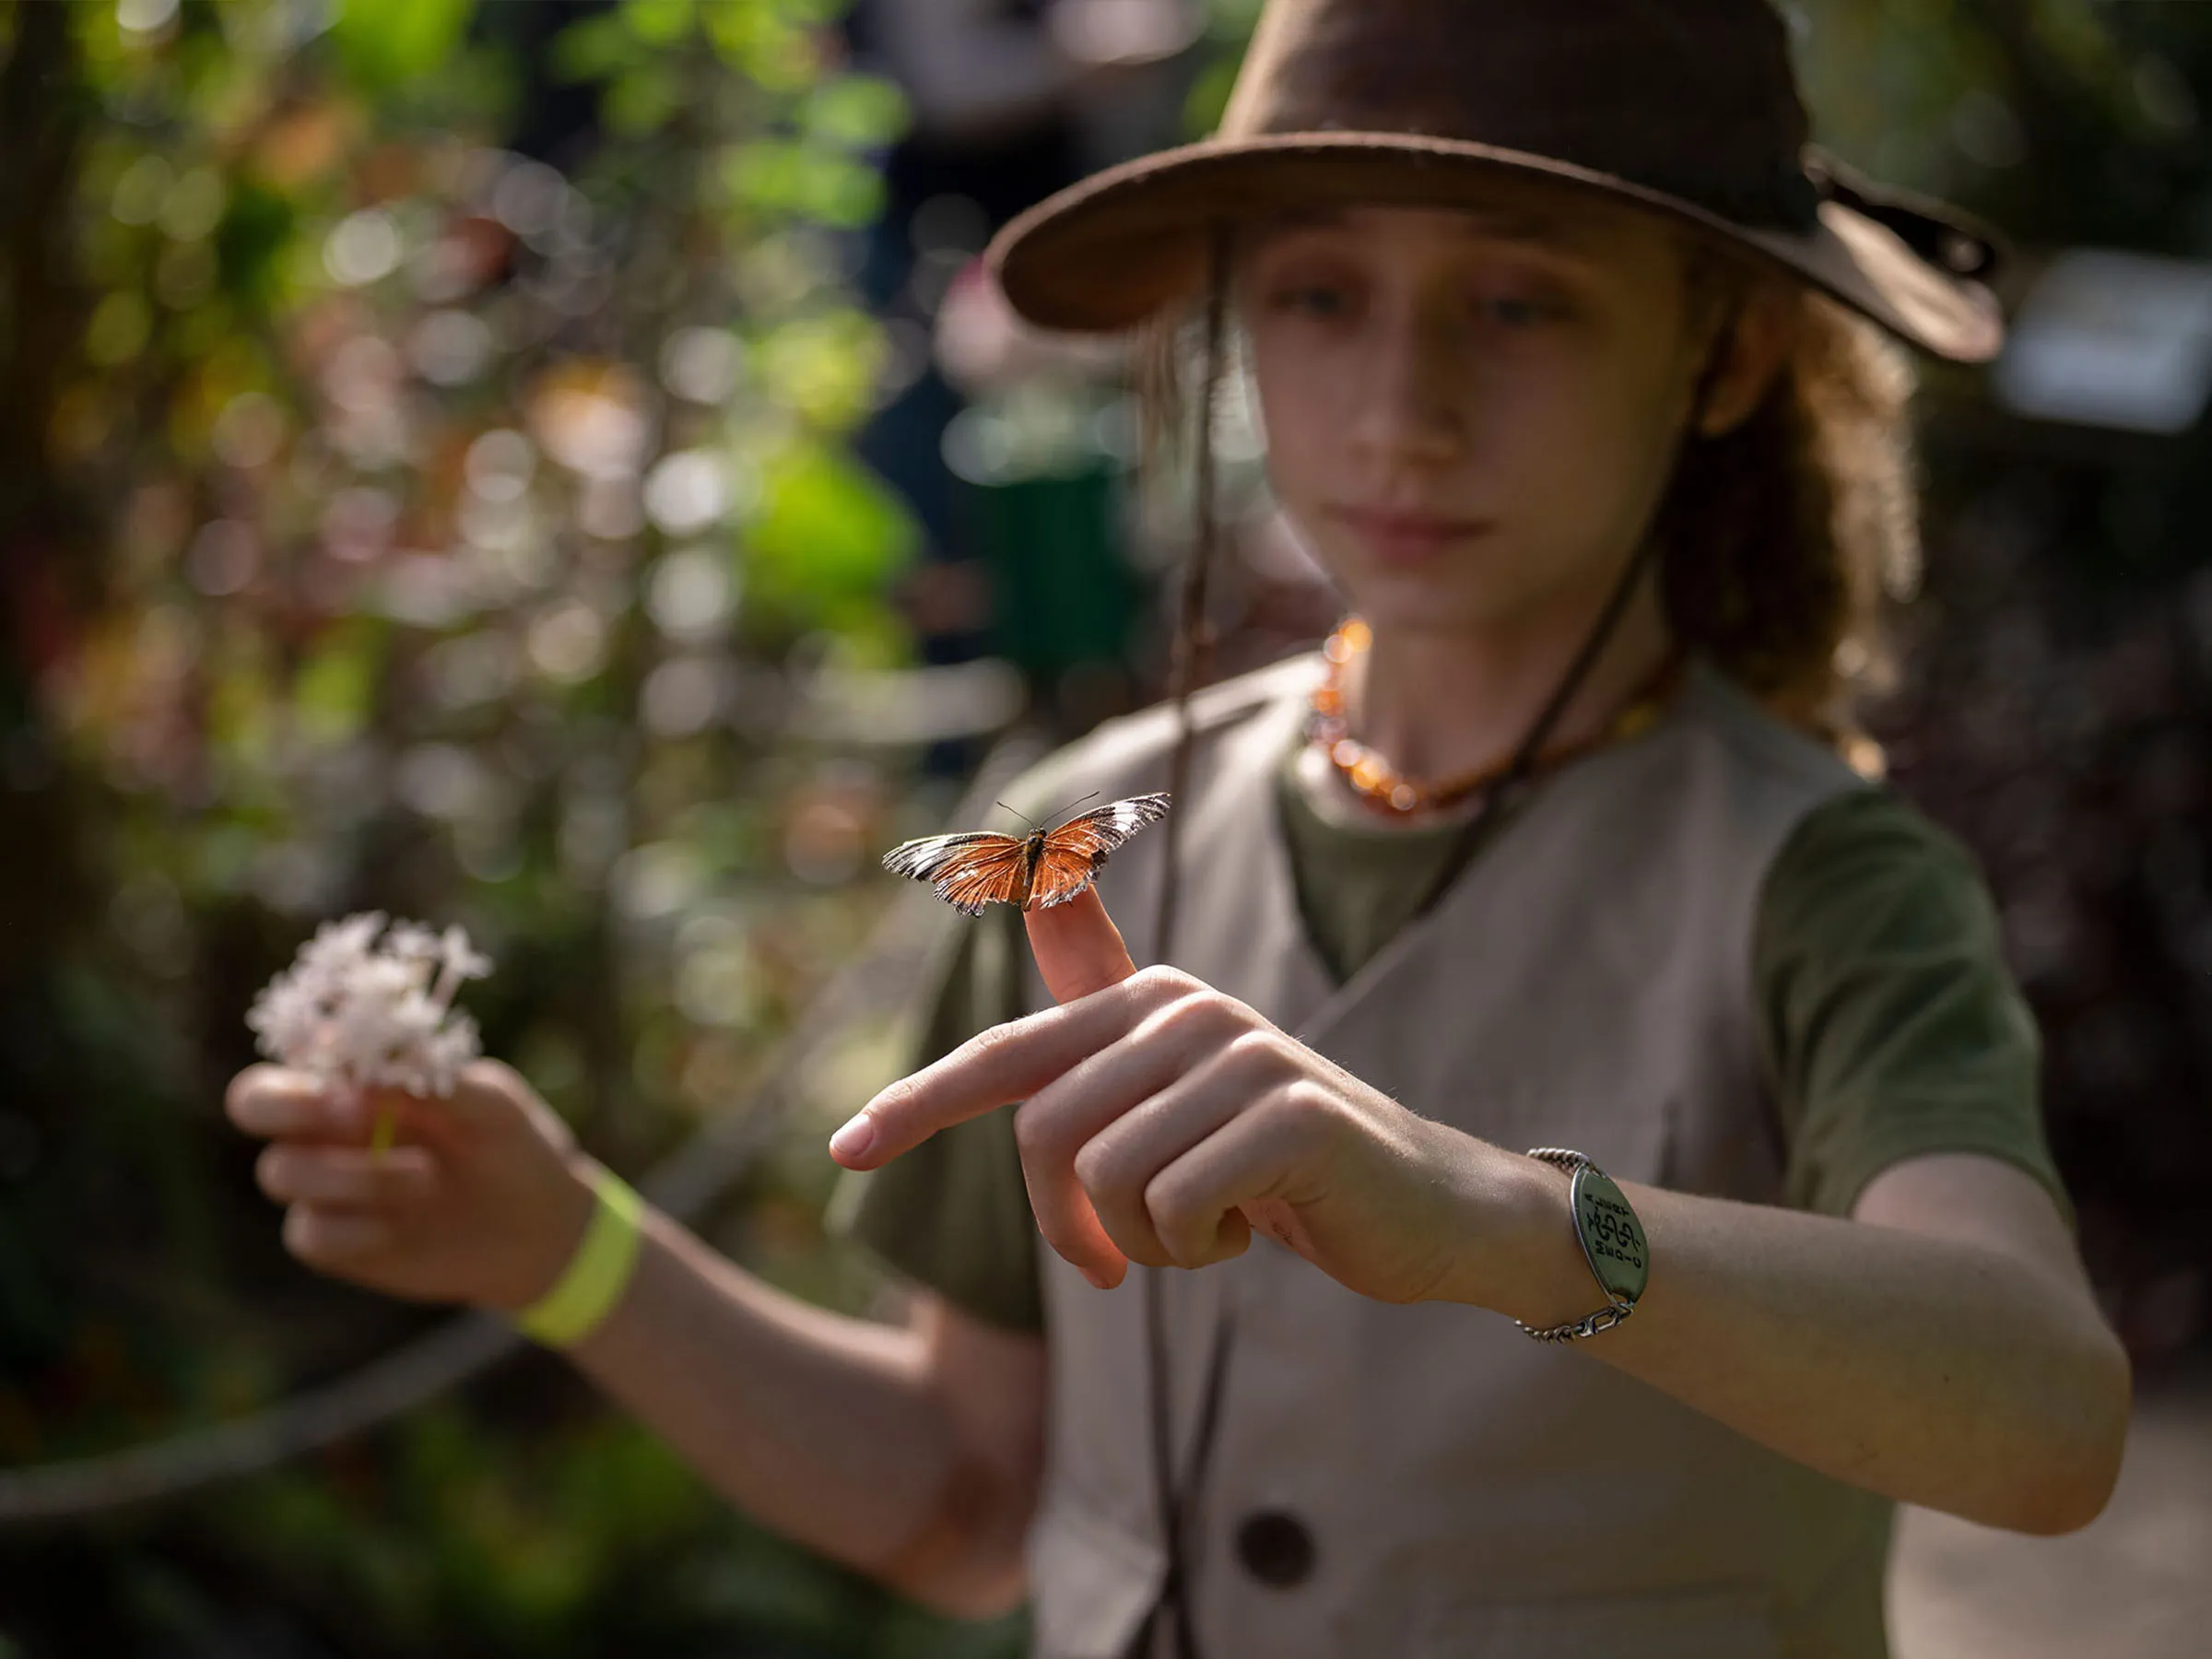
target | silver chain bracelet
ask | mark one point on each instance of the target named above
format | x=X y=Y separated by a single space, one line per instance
x=1612 y=1240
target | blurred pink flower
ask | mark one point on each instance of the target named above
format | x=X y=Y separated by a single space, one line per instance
x=350 y=1009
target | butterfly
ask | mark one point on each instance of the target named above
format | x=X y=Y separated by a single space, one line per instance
x=1031 y=872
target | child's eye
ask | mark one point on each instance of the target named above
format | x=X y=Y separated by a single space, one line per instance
x=1518 y=305
x=1513 y=310
x=1313 y=299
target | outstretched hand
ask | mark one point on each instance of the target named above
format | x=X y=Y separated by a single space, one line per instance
x=1161 y=1121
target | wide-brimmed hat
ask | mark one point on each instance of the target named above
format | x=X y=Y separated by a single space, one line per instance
x=1689 y=108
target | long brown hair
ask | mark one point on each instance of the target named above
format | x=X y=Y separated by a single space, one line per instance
x=1781 y=539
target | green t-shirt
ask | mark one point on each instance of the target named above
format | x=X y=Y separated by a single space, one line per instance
x=1888 y=1029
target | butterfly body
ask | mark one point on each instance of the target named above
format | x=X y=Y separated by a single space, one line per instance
x=1036 y=871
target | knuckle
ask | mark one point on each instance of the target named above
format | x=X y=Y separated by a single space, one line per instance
x=1176 y=1218
x=1180 y=1019
x=989 y=1043
x=892 y=1101
x=1160 y=982
x=1214 y=1012
x=1301 y=1114
x=1037 y=1133
x=1194 y=1021
x=1098 y=1167
x=1047 y=1135
x=1253 y=1052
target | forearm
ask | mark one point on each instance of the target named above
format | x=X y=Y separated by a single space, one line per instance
x=1932 y=1369
x=828 y=1429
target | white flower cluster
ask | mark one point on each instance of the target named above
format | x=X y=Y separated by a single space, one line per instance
x=374 y=1014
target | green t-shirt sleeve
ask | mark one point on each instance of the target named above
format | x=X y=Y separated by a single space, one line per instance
x=1891 y=1027
x=954 y=1213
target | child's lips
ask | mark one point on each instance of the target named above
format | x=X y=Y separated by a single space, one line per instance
x=1397 y=535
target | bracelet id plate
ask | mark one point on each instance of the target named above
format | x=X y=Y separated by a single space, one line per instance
x=1612 y=1237
x=1612 y=1243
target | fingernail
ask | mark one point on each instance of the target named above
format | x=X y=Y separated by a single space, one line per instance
x=854 y=1140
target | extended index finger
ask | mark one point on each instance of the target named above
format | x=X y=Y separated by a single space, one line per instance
x=1080 y=952
x=994 y=1068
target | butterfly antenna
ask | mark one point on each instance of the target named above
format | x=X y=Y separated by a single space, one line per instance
x=1024 y=817
x=1056 y=817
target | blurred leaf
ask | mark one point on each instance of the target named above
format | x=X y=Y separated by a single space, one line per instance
x=659 y=22
x=595 y=47
x=640 y=100
x=860 y=111
x=779 y=176
x=335 y=686
x=823 y=367
x=828 y=537
x=254 y=232
x=385 y=45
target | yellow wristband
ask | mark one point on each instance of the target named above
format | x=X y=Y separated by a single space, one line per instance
x=597 y=1274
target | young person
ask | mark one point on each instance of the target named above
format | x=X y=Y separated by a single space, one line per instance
x=1565 y=357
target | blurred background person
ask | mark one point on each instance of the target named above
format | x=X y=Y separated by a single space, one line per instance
x=1010 y=100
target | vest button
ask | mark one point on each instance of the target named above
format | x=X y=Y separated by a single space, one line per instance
x=1276 y=1549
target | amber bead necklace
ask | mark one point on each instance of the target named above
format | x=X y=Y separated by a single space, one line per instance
x=1392 y=793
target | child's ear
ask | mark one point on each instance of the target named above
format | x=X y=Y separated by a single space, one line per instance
x=1759 y=337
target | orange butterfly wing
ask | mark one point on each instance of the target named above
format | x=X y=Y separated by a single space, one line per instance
x=1076 y=850
x=968 y=870
x=985 y=876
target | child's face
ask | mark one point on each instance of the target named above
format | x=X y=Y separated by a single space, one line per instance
x=1471 y=416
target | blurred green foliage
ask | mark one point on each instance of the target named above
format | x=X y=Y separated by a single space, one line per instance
x=392 y=518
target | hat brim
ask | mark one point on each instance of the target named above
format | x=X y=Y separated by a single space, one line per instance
x=1109 y=253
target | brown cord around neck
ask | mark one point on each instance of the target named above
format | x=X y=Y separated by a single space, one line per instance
x=1190 y=627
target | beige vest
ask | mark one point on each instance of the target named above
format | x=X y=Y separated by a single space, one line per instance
x=1464 y=1490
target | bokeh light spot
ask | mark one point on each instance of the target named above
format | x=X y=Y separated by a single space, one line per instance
x=569 y=642
x=223 y=558
x=702 y=365
x=364 y=248
x=690 y=594
x=687 y=491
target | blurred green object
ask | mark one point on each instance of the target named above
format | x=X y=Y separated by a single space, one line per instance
x=1066 y=596
x=1042 y=474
